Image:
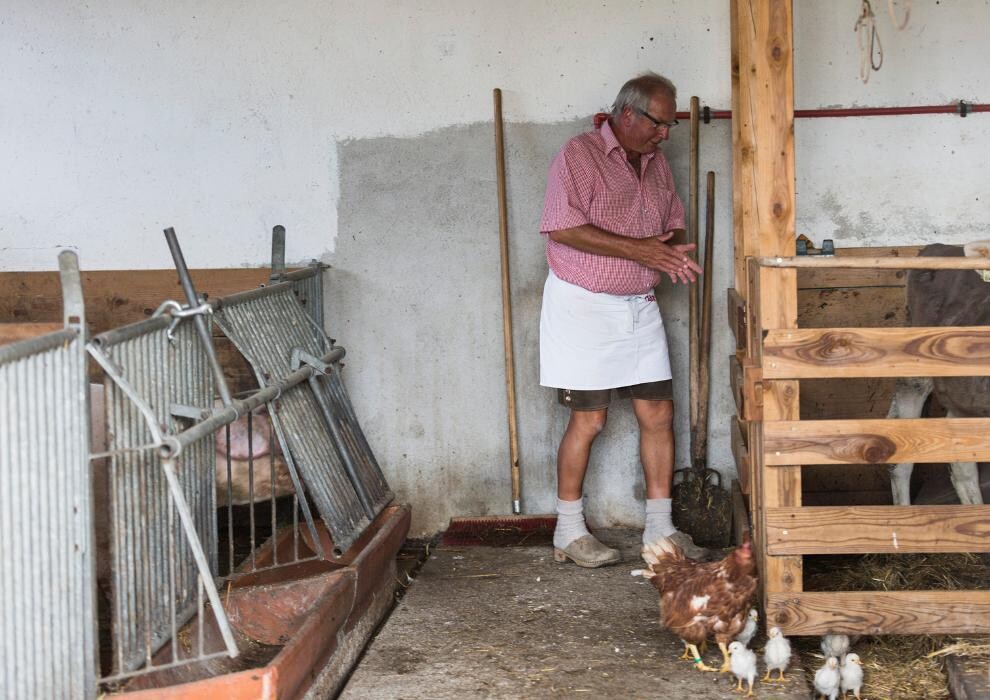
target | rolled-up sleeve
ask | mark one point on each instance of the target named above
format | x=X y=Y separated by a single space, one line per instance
x=676 y=218
x=569 y=191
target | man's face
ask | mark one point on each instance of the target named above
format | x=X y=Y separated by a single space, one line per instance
x=643 y=134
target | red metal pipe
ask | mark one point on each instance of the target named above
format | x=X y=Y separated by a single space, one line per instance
x=862 y=111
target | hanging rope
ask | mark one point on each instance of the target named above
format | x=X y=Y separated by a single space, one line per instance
x=869 y=42
x=893 y=15
x=870 y=48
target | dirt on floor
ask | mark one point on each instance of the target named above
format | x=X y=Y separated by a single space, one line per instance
x=512 y=623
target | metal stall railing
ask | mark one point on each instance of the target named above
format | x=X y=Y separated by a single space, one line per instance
x=307 y=283
x=47 y=646
x=163 y=510
x=317 y=427
x=162 y=377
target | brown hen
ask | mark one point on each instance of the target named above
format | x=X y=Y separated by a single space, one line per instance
x=699 y=600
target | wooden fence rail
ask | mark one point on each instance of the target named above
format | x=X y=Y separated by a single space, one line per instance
x=771 y=443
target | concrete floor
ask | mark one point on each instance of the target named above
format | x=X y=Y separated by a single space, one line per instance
x=512 y=623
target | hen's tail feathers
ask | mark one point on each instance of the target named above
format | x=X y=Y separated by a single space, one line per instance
x=645 y=573
x=656 y=549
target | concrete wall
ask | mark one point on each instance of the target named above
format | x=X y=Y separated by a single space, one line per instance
x=366 y=130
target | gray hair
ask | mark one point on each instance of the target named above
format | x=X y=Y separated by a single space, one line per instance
x=638 y=92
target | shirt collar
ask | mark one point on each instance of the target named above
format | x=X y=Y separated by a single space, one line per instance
x=611 y=143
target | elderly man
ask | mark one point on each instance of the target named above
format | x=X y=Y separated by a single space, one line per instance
x=610 y=218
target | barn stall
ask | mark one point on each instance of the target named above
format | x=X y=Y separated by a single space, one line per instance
x=751 y=387
x=784 y=345
x=201 y=563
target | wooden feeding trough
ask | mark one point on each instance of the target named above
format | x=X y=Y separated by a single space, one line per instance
x=776 y=353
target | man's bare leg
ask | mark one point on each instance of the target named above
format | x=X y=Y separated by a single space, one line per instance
x=656 y=444
x=574 y=451
x=656 y=451
x=571 y=539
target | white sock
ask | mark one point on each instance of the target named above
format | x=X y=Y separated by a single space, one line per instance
x=570 y=523
x=658 y=520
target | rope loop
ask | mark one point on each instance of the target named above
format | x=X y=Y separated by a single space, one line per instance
x=900 y=26
x=868 y=41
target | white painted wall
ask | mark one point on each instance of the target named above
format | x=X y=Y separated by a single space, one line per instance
x=223 y=119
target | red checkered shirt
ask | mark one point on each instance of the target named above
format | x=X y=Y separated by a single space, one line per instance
x=591 y=182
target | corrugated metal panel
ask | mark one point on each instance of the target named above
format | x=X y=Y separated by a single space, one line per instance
x=47 y=645
x=372 y=479
x=267 y=325
x=307 y=285
x=154 y=574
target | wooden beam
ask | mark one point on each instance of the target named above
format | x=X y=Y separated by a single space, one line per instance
x=763 y=181
x=754 y=327
x=877 y=529
x=830 y=278
x=853 y=307
x=877 y=441
x=850 y=263
x=813 y=278
x=881 y=612
x=772 y=105
x=12 y=332
x=736 y=305
x=740 y=515
x=819 y=353
x=739 y=434
x=114 y=297
x=736 y=383
x=746 y=382
x=744 y=213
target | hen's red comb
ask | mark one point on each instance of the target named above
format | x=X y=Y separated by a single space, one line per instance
x=600 y=119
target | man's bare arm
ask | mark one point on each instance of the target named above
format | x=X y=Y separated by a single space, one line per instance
x=653 y=252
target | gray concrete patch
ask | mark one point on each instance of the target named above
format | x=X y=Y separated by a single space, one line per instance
x=413 y=293
x=511 y=623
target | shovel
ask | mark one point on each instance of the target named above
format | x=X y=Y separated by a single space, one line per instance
x=701 y=505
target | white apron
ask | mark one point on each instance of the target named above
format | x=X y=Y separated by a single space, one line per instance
x=590 y=340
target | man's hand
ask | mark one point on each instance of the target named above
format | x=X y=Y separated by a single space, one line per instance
x=653 y=252
x=672 y=259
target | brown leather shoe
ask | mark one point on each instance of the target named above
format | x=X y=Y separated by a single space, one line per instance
x=690 y=549
x=588 y=552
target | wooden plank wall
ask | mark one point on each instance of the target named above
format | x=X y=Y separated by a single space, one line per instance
x=779 y=362
x=846 y=298
x=829 y=298
x=763 y=143
x=792 y=531
x=30 y=302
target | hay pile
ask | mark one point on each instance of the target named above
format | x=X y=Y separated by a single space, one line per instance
x=901 y=666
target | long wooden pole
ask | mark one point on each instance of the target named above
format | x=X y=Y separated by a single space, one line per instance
x=700 y=454
x=510 y=370
x=694 y=398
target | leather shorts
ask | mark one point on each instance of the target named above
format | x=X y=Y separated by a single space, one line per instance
x=597 y=399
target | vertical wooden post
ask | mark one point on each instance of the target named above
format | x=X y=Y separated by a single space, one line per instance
x=744 y=212
x=763 y=174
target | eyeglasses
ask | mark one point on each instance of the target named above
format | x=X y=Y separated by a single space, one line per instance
x=657 y=123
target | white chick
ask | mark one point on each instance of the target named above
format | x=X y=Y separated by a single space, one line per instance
x=851 y=674
x=836 y=645
x=742 y=661
x=746 y=636
x=827 y=679
x=777 y=654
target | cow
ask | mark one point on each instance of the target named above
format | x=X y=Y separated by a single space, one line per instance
x=945 y=298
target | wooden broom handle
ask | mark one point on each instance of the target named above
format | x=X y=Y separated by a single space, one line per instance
x=510 y=371
x=694 y=393
x=705 y=344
